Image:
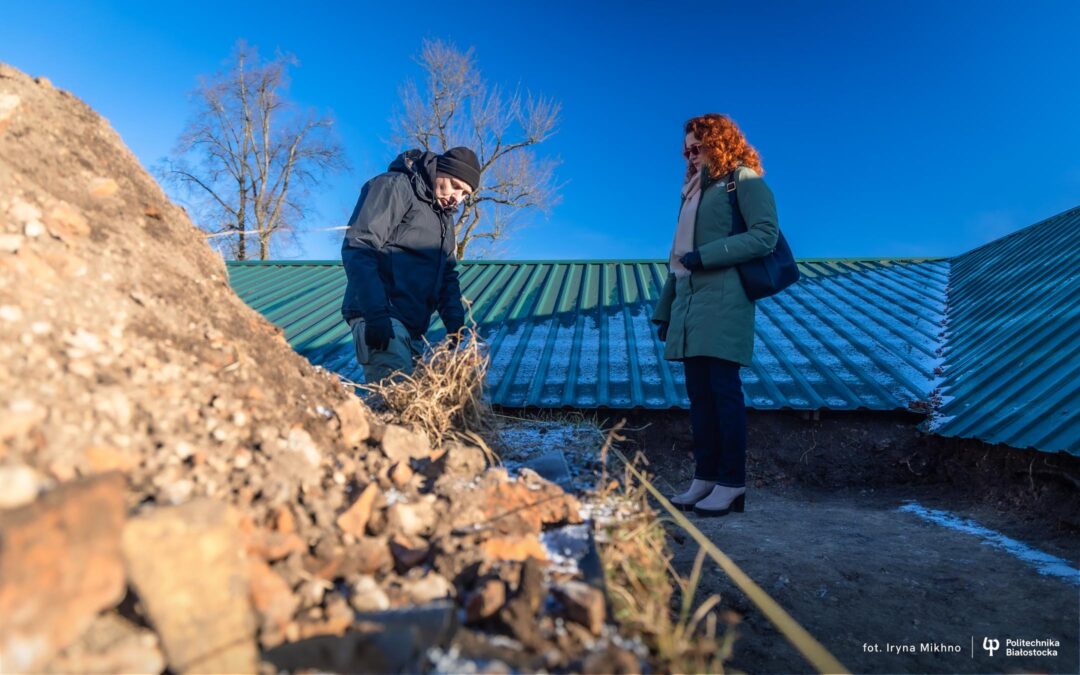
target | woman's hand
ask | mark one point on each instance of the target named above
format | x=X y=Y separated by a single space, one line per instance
x=692 y=261
x=661 y=330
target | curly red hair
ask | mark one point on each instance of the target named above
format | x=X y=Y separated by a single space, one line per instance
x=724 y=146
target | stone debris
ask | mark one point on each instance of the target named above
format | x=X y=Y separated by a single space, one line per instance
x=60 y=564
x=180 y=491
x=111 y=645
x=187 y=569
x=583 y=604
x=354 y=521
x=19 y=485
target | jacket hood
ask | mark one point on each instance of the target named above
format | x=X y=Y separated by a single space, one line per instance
x=419 y=166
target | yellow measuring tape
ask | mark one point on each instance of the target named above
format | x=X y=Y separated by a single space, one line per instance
x=810 y=648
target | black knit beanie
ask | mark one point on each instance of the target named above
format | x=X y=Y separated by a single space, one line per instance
x=460 y=163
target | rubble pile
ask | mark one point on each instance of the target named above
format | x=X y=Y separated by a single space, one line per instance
x=180 y=491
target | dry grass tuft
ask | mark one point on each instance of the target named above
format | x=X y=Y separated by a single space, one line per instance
x=444 y=396
x=642 y=583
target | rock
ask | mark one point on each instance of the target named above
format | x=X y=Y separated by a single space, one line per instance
x=19 y=418
x=368 y=596
x=112 y=644
x=105 y=458
x=283 y=520
x=354 y=521
x=10 y=243
x=272 y=546
x=300 y=458
x=368 y=555
x=103 y=187
x=273 y=600
x=60 y=564
x=432 y=586
x=517 y=548
x=34 y=229
x=583 y=603
x=66 y=223
x=485 y=601
x=11 y=313
x=400 y=444
x=512 y=506
x=463 y=459
x=8 y=104
x=519 y=614
x=338 y=620
x=19 y=485
x=353 y=419
x=415 y=518
x=24 y=213
x=401 y=474
x=409 y=551
x=187 y=565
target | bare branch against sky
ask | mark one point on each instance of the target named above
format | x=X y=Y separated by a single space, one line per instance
x=456 y=106
x=249 y=157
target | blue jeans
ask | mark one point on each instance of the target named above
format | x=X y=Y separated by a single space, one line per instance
x=718 y=418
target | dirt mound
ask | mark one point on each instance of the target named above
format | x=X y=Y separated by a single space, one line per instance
x=118 y=328
x=180 y=490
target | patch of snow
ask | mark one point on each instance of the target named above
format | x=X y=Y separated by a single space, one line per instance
x=1044 y=563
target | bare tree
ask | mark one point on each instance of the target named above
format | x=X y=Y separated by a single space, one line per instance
x=249 y=157
x=458 y=107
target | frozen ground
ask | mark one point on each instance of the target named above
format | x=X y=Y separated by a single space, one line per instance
x=869 y=577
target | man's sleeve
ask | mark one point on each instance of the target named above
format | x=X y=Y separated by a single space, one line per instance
x=451 y=311
x=381 y=206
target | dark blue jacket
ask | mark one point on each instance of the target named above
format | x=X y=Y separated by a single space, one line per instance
x=399 y=250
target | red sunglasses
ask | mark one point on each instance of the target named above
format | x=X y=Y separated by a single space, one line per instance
x=693 y=151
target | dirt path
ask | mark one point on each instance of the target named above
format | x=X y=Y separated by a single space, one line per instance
x=857 y=572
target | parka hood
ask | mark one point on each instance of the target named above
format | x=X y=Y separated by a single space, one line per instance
x=419 y=166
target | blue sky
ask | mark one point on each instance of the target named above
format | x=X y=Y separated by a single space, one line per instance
x=886 y=128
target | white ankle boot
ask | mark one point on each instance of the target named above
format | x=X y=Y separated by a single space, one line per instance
x=698 y=490
x=721 y=501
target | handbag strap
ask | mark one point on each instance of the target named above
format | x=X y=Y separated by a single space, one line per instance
x=738 y=225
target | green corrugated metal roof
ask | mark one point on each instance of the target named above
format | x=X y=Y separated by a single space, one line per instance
x=852 y=334
x=1012 y=368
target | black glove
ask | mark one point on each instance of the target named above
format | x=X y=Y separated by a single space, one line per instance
x=692 y=261
x=661 y=330
x=453 y=333
x=378 y=332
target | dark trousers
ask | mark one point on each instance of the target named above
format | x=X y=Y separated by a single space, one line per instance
x=718 y=417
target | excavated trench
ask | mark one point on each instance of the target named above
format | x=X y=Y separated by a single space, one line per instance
x=899 y=551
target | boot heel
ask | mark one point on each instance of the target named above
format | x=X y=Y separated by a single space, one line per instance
x=739 y=504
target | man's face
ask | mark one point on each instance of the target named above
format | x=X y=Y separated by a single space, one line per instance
x=450 y=191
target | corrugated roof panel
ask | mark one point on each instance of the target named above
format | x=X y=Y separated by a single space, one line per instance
x=852 y=334
x=1012 y=368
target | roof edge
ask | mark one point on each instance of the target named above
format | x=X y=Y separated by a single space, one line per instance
x=596 y=261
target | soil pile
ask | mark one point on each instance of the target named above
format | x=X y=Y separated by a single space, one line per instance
x=180 y=490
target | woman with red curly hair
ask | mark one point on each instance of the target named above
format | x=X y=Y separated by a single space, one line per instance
x=704 y=314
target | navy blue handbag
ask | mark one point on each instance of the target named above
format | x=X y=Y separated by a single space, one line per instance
x=768 y=275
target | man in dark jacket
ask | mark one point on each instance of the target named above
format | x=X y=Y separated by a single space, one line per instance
x=399 y=257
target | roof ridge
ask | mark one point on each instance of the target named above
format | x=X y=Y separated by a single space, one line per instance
x=1016 y=233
